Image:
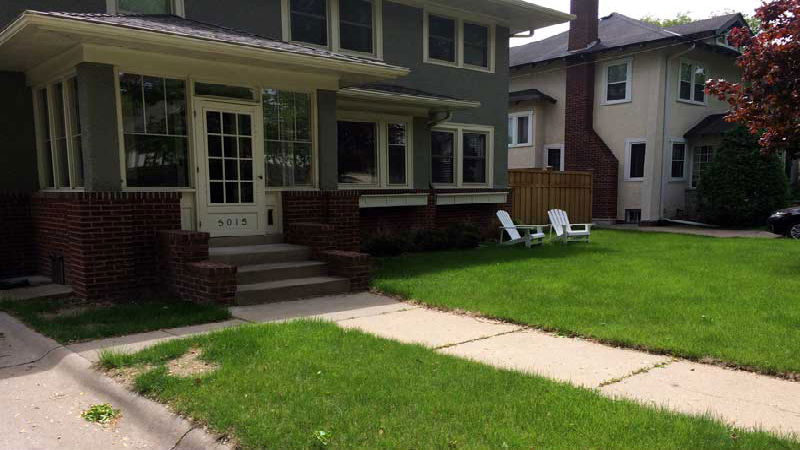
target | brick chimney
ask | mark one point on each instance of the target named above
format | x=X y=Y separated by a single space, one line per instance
x=584 y=150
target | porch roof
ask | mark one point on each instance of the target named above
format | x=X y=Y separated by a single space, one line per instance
x=36 y=37
x=403 y=95
x=712 y=125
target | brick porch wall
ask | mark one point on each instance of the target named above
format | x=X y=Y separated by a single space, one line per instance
x=185 y=271
x=17 y=256
x=108 y=240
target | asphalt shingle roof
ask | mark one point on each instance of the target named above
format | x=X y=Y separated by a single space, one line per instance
x=614 y=31
x=712 y=125
x=178 y=26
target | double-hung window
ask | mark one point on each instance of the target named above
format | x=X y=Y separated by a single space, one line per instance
x=374 y=152
x=678 y=169
x=59 y=135
x=520 y=129
x=618 y=86
x=154 y=125
x=692 y=86
x=341 y=25
x=288 y=136
x=701 y=159
x=461 y=155
x=145 y=7
x=458 y=42
x=635 y=155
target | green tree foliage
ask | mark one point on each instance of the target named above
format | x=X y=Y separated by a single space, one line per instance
x=680 y=19
x=742 y=186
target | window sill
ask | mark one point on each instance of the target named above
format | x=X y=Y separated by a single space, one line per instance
x=392 y=200
x=692 y=102
x=521 y=145
x=616 y=102
x=634 y=180
x=472 y=198
x=677 y=180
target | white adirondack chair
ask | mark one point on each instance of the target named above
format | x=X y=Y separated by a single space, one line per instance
x=531 y=234
x=565 y=231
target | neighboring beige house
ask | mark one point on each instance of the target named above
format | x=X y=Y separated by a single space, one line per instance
x=648 y=108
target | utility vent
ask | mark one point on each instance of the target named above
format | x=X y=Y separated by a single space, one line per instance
x=633 y=216
x=57 y=269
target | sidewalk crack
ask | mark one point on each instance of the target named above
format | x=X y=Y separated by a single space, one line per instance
x=34 y=361
x=178 y=442
x=482 y=338
x=641 y=371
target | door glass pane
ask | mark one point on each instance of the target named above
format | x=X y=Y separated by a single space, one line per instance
x=441 y=38
x=310 y=21
x=357 y=153
x=442 y=157
x=232 y=164
x=474 y=158
x=355 y=25
x=476 y=45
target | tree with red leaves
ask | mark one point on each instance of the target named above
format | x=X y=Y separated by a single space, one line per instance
x=767 y=100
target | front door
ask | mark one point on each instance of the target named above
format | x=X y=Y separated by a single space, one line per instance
x=230 y=156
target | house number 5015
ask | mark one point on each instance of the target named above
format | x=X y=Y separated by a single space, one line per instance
x=232 y=222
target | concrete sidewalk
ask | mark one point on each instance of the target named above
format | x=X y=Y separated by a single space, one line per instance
x=696 y=231
x=44 y=387
x=738 y=398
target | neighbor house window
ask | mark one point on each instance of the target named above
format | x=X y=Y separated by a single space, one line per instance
x=155 y=132
x=634 y=160
x=678 y=161
x=692 y=83
x=288 y=138
x=701 y=159
x=461 y=155
x=458 y=43
x=59 y=135
x=555 y=157
x=618 y=82
x=374 y=153
x=520 y=129
x=341 y=25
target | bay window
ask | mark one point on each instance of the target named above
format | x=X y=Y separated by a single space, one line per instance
x=374 y=153
x=340 y=25
x=59 y=135
x=457 y=42
x=154 y=125
x=288 y=138
x=692 y=83
x=461 y=155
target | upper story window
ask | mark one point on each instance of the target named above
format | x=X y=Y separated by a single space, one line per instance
x=520 y=129
x=459 y=43
x=58 y=130
x=618 y=77
x=692 y=83
x=461 y=155
x=145 y=7
x=341 y=25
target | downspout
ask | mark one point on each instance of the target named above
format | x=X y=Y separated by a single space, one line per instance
x=666 y=150
x=436 y=121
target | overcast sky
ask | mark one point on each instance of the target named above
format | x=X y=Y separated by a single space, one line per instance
x=698 y=9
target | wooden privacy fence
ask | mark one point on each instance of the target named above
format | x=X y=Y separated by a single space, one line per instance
x=536 y=191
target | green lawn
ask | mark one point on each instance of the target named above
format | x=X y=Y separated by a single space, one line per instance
x=736 y=300
x=69 y=321
x=283 y=385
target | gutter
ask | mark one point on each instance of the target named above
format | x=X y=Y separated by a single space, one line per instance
x=665 y=148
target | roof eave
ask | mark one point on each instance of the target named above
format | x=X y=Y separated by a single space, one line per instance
x=429 y=102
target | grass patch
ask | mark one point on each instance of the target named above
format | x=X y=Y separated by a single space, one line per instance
x=102 y=414
x=69 y=321
x=734 y=300
x=310 y=384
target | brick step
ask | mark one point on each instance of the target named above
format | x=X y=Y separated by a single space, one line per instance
x=243 y=241
x=259 y=254
x=261 y=273
x=293 y=289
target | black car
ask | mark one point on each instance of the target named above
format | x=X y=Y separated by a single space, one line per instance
x=786 y=222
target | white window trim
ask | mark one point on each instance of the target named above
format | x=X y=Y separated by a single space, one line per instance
x=382 y=156
x=69 y=124
x=459 y=62
x=515 y=129
x=722 y=41
x=334 y=33
x=672 y=143
x=628 y=144
x=546 y=160
x=692 y=101
x=628 y=83
x=178 y=7
x=459 y=129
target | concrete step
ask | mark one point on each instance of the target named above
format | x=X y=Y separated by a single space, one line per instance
x=261 y=273
x=242 y=241
x=259 y=254
x=294 y=289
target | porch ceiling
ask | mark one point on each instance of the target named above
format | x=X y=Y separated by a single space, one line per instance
x=35 y=38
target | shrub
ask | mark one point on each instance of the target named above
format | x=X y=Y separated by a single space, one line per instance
x=457 y=236
x=429 y=240
x=384 y=244
x=742 y=186
x=464 y=235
